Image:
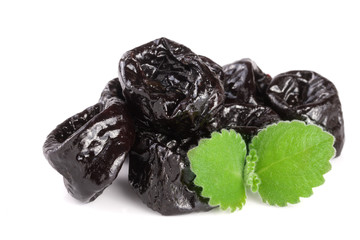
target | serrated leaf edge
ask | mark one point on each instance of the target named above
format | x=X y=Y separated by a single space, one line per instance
x=204 y=190
x=265 y=129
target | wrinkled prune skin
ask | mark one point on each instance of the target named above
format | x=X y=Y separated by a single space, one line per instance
x=216 y=69
x=89 y=148
x=244 y=109
x=170 y=88
x=159 y=172
x=245 y=82
x=246 y=119
x=111 y=90
x=309 y=97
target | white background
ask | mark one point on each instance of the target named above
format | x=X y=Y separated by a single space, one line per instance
x=56 y=57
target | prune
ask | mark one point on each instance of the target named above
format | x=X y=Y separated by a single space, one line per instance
x=89 y=148
x=169 y=87
x=244 y=110
x=213 y=67
x=308 y=96
x=111 y=90
x=245 y=82
x=246 y=119
x=159 y=173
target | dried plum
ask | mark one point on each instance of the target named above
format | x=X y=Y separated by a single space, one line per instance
x=308 y=96
x=213 y=67
x=159 y=173
x=111 y=90
x=244 y=110
x=246 y=119
x=245 y=82
x=89 y=148
x=169 y=87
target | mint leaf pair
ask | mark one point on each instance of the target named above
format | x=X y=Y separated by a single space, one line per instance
x=285 y=161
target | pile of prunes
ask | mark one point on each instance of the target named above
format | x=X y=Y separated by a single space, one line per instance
x=167 y=98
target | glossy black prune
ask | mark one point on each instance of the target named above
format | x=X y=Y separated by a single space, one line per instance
x=111 y=90
x=308 y=96
x=245 y=82
x=89 y=148
x=244 y=110
x=169 y=87
x=246 y=119
x=159 y=173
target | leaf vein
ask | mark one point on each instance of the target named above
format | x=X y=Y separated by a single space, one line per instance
x=291 y=156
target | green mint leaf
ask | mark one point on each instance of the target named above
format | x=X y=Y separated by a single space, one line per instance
x=292 y=158
x=218 y=163
x=251 y=179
